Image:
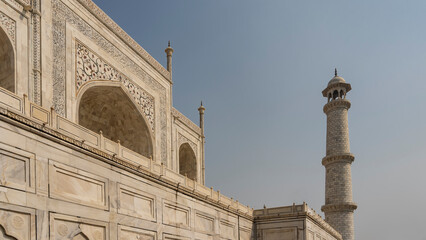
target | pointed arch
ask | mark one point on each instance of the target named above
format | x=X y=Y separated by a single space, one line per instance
x=107 y=107
x=4 y=235
x=187 y=161
x=7 y=62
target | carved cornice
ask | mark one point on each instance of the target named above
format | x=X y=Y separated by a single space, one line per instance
x=342 y=207
x=120 y=33
x=342 y=158
x=335 y=104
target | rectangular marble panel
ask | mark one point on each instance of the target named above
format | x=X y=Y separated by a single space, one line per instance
x=280 y=233
x=16 y=171
x=227 y=230
x=204 y=222
x=245 y=233
x=40 y=113
x=167 y=236
x=175 y=215
x=77 y=186
x=136 y=203
x=131 y=233
x=9 y=100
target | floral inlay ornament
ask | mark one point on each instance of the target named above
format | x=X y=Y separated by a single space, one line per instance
x=91 y=67
x=9 y=26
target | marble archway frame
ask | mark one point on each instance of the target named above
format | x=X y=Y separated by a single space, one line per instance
x=89 y=67
x=103 y=83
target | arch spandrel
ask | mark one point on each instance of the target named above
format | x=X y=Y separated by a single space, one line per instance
x=92 y=68
x=109 y=109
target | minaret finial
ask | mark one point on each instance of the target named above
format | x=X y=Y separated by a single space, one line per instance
x=169 y=44
x=335 y=72
x=201 y=103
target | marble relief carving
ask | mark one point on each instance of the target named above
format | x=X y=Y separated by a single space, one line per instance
x=91 y=67
x=182 y=139
x=63 y=15
x=36 y=22
x=9 y=25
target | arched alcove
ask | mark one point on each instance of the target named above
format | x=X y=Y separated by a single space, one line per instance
x=110 y=110
x=7 y=62
x=187 y=162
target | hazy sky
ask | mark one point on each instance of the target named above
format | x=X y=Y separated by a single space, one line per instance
x=260 y=67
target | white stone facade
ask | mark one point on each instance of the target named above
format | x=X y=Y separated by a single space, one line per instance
x=92 y=148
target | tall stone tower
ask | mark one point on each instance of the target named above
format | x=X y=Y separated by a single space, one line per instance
x=338 y=208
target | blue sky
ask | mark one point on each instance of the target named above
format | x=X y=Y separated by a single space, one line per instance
x=260 y=67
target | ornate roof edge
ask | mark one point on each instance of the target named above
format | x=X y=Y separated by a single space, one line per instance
x=191 y=125
x=120 y=33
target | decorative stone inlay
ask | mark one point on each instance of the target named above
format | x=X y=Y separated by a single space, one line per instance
x=90 y=66
x=182 y=139
x=62 y=15
x=36 y=22
x=9 y=26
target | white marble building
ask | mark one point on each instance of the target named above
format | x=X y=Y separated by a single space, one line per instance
x=92 y=148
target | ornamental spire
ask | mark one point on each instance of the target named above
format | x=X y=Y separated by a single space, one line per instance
x=335 y=72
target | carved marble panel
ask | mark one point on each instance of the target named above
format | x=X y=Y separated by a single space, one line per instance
x=89 y=67
x=14 y=225
x=131 y=233
x=63 y=227
x=136 y=203
x=64 y=15
x=74 y=185
x=176 y=215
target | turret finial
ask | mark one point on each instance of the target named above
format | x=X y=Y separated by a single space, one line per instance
x=335 y=72
x=169 y=44
x=201 y=103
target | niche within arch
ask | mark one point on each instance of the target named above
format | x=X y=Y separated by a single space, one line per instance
x=7 y=62
x=187 y=162
x=110 y=110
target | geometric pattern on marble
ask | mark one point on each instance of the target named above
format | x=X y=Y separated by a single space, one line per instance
x=90 y=67
x=14 y=225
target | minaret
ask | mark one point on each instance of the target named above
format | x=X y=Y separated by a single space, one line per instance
x=169 y=52
x=203 y=141
x=339 y=206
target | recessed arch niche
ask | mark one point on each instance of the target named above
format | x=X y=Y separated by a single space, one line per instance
x=7 y=62
x=110 y=109
x=187 y=161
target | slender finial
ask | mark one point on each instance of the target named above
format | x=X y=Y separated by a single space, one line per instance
x=169 y=44
x=335 y=72
x=201 y=103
